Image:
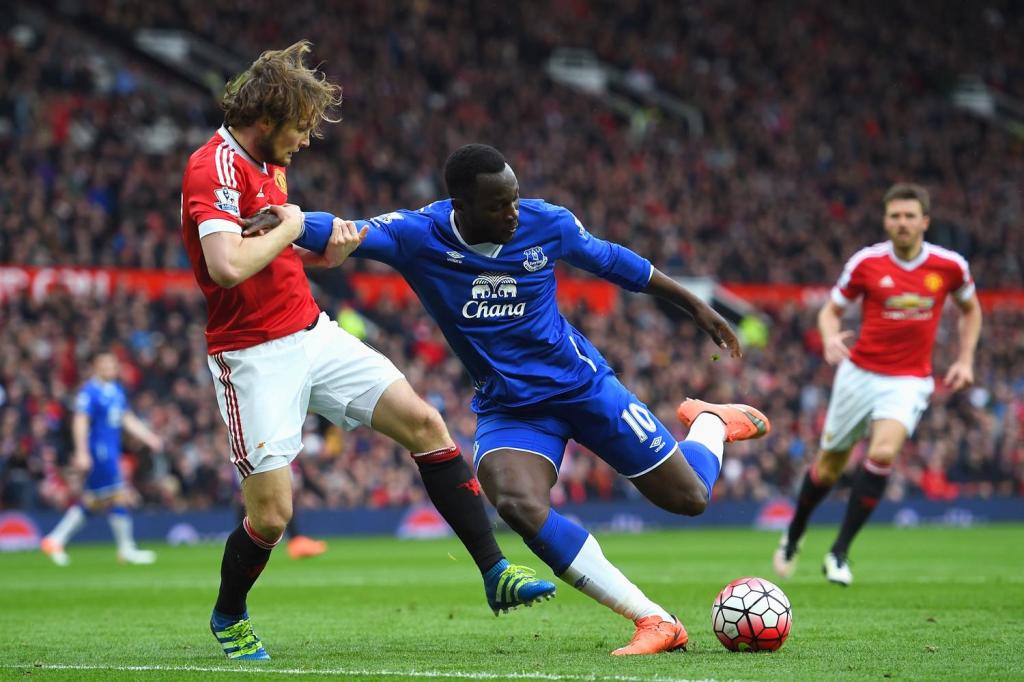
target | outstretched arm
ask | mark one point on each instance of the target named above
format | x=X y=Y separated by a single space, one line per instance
x=326 y=241
x=961 y=372
x=137 y=428
x=667 y=289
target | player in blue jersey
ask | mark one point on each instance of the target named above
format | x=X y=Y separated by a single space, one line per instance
x=482 y=263
x=101 y=412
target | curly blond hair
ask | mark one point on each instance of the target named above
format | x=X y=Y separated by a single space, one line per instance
x=280 y=87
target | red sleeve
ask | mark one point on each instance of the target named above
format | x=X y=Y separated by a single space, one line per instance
x=850 y=286
x=213 y=189
x=963 y=284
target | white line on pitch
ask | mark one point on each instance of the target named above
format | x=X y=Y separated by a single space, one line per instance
x=348 y=672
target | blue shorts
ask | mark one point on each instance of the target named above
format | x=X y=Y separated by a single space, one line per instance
x=104 y=477
x=604 y=416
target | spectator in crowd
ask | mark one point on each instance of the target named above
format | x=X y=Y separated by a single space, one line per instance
x=801 y=130
x=801 y=126
x=969 y=442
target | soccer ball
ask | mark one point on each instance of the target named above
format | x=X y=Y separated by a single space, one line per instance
x=751 y=614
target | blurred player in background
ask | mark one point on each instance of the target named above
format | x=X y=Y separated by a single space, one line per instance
x=884 y=382
x=101 y=411
x=274 y=355
x=483 y=265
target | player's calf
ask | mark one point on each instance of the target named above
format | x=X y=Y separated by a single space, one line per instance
x=523 y=513
x=675 y=484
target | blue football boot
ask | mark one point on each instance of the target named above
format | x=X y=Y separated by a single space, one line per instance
x=509 y=586
x=238 y=639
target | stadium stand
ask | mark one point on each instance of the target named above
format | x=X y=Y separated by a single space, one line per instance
x=782 y=187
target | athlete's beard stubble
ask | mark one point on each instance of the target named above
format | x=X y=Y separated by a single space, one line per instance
x=265 y=148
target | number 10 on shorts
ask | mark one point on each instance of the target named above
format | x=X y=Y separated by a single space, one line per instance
x=640 y=421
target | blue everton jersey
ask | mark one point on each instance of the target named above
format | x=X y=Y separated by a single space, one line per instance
x=105 y=404
x=496 y=303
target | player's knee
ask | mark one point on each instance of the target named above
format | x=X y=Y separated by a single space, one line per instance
x=270 y=521
x=828 y=475
x=829 y=467
x=522 y=513
x=427 y=428
x=882 y=454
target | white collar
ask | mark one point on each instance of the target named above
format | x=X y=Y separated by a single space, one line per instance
x=233 y=143
x=908 y=265
x=486 y=249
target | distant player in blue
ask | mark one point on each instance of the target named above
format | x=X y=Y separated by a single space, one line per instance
x=101 y=411
x=482 y=263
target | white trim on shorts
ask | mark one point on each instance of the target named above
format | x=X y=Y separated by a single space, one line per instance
x=236 y=437
x=655 y=466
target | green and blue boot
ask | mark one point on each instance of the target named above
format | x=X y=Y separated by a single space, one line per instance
x=509 y=586
x=237 y=637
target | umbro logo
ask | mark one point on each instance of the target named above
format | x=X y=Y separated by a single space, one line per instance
x=455 y=257
x=656 y=442
x=886 y=282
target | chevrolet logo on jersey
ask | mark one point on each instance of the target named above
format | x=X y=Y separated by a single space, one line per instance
x=909 y=302
x=908 y=307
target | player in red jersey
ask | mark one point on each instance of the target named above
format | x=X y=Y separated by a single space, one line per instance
x=884 y=382
x=274 y=355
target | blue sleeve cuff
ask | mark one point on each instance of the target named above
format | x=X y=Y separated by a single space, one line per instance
x=316 y=231
x=630 y=270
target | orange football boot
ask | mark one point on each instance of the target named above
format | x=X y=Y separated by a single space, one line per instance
x=55 y=551
x=653 y=635
x=301 y=547
x=741 y=421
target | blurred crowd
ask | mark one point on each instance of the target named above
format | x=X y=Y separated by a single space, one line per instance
x=810 y=111
x=969 y=444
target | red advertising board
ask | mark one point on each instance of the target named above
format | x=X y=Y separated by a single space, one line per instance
x=598 y=295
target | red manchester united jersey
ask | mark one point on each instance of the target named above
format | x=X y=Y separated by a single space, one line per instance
x=223 y=183
x=902 y=303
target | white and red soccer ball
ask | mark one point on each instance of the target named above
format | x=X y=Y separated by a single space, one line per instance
x=751 y=614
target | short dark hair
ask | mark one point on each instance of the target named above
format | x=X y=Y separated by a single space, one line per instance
x=467 y=162
x=908 y=190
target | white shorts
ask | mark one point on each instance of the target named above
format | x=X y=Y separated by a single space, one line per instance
x=265 y=391
x=860 y=397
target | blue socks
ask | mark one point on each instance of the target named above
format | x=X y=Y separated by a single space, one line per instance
x=559 y=541
x=704 y=462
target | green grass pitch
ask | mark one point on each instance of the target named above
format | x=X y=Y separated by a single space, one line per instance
x=928 y=603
